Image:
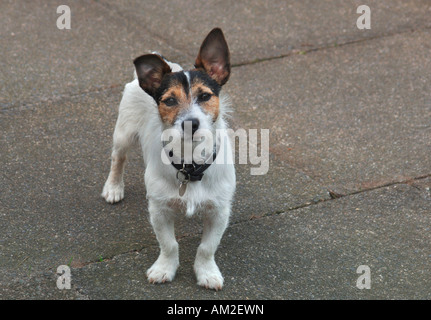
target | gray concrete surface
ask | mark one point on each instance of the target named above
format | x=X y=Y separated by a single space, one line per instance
x=349 y=113
x=354 y=117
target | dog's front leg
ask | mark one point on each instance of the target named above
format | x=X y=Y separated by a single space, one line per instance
x=113 y=190
x=124 y=138
x=207 y=272
x=162 y=220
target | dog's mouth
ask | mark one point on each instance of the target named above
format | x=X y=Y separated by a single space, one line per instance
x=196 y=148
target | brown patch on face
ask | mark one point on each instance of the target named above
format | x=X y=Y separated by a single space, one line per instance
x=212 y=106
x=169 y=112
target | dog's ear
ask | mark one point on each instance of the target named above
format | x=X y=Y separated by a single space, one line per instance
x=214 y=56
x=150 y=69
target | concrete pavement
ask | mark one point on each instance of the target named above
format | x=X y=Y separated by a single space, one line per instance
x=349 y=113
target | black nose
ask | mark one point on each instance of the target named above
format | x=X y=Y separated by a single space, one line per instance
x=195 y=124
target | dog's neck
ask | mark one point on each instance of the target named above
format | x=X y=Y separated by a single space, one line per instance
x=192 y=171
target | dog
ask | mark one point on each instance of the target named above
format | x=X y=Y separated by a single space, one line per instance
x=165 y=97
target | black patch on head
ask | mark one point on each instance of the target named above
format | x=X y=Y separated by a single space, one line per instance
x=169 y=80
x=203 y=77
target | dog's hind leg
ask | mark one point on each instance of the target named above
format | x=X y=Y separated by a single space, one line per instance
x=207 y=272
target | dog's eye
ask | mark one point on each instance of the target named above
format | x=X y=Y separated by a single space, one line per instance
x=204 y=97
x=170 y=102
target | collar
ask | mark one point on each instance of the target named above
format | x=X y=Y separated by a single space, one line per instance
x=192 y=171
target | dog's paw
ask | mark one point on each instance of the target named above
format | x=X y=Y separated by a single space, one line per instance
x=113 y=192
x=163 y=270
x=209 y=275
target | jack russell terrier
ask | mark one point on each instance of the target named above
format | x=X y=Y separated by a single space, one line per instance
x=165 y=98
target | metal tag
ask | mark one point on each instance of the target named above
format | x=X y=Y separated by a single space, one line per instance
x=183 y=177
x=183 y=188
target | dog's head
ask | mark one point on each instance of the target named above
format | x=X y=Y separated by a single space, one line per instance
x=188 y=99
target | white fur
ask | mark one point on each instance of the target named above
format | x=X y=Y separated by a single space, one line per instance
x=139 y=121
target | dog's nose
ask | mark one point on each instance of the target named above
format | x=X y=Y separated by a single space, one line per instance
x=194 y=122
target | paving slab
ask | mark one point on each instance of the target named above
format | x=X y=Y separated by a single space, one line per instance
x=55 y=159
x=34 y=286
x=309 y=253
x=424 y=185
x=258 y=30
x=40 y=61
x=352 y=117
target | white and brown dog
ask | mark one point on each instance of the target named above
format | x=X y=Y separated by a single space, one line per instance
x=165 y=97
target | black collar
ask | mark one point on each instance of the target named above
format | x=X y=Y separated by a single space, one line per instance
x=192 y=171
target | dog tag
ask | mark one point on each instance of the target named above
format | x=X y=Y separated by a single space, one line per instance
x=183 y=178
x=183 y=187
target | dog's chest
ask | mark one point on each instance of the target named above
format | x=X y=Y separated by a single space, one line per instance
x=190 y=207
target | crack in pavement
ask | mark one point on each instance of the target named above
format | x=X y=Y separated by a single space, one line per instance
x=325 y=47
x=80 y=292
x=7 y=107
x=272 y=214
